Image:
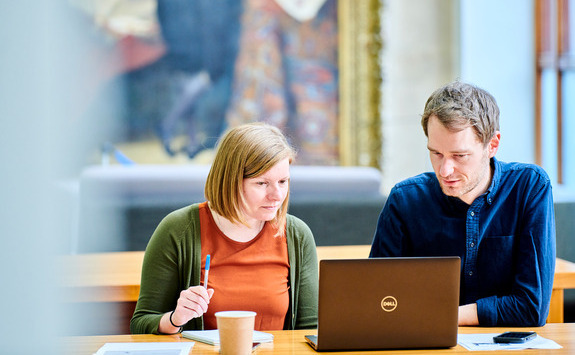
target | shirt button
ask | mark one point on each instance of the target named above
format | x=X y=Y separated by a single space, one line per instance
x=472 y=244
x=472 y=213
x=470 y=273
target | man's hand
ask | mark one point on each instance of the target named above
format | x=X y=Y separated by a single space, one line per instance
x=468 y=315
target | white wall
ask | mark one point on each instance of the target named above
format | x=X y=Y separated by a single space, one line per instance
x=43 y=66
x=28 y=215
x=420 y=54
x=429 y=43
x=497 y=54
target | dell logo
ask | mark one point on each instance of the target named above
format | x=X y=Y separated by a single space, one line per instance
x=389 y=303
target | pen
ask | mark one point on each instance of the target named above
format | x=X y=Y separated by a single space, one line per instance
x=207 y=271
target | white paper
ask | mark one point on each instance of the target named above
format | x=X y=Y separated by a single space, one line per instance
x=213 y=336
x=485 y=342
x=159 y=348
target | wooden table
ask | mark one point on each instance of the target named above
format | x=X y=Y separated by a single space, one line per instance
x=102 y=277
x=115 y=277
x=564 y=279
x=293 y=342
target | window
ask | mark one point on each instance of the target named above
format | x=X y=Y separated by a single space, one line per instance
x=555 y=89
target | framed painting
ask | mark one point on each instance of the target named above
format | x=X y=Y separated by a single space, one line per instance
x=190 y=69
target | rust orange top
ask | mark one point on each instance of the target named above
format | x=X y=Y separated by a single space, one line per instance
x=251 y=276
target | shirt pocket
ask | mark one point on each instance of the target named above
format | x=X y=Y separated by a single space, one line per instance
x=495 y=264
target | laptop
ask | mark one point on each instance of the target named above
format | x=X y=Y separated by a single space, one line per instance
x=387 y=303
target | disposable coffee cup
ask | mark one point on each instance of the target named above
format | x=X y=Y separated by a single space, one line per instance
x=236 y=329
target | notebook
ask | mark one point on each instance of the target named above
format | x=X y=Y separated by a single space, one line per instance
x=212 y=337
x=387 y=303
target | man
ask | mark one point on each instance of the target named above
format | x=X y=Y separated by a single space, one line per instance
x=497 y=217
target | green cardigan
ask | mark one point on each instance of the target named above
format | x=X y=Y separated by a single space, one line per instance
x=172 y=263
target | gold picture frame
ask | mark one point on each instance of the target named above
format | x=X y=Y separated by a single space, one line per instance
x=359 y=82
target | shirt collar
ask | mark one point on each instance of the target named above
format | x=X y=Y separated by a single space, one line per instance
x=495 y=181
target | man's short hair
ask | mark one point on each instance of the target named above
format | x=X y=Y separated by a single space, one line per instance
x=459 y=105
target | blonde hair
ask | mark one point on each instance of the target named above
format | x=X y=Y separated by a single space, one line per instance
x=244 y=152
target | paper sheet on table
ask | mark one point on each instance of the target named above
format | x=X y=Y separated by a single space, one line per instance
x=157 y=348
x=485 y=342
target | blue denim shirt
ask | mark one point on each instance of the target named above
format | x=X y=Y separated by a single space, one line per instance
x=505 y=239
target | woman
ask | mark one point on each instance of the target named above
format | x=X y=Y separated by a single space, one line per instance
x=262 y=259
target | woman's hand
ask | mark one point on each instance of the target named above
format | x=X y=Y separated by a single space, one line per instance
x=193 y=303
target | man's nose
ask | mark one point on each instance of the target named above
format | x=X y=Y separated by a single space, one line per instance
x=446 y=167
